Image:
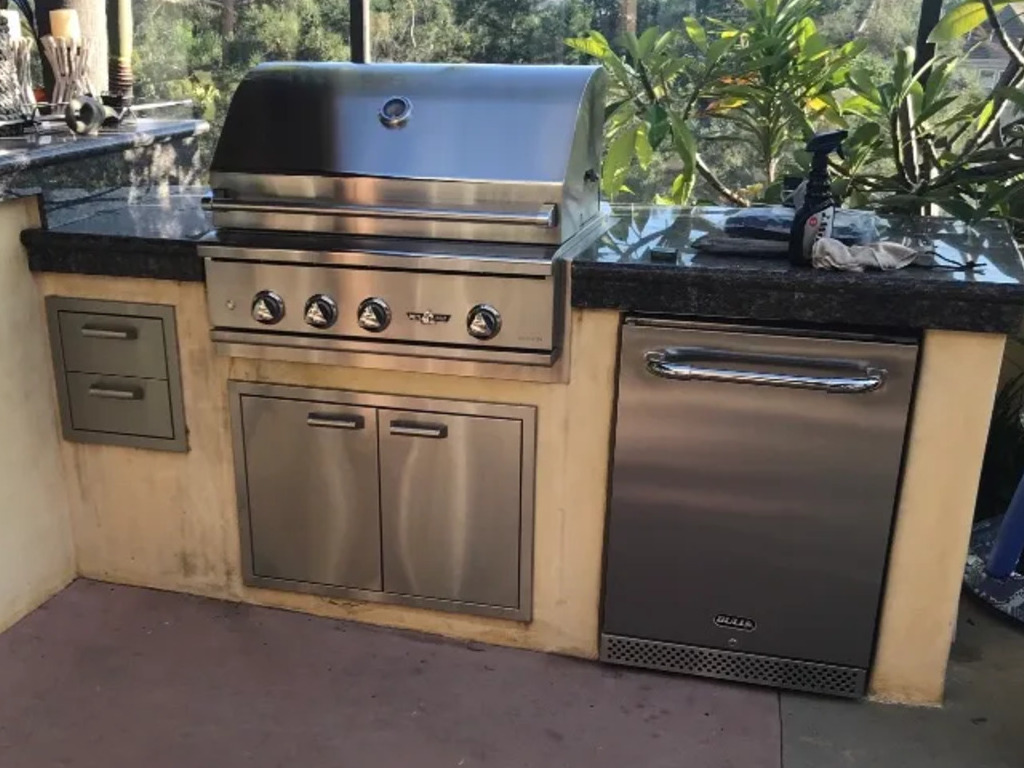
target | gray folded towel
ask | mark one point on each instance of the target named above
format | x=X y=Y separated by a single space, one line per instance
x=832 y=254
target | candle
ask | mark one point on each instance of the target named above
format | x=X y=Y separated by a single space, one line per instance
x=64 y=23
x=13 y=23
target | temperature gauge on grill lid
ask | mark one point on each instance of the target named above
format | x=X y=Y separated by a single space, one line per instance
x=483 y=322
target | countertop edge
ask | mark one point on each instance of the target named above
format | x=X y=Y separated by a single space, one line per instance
x=817 y=299
x=113 y=256
x=105 y=143
x=813 y=298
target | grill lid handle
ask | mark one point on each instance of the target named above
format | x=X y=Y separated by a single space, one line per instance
x=546 y=217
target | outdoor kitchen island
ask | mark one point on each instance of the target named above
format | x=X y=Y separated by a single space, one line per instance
x=396 y=379
x=170 y=520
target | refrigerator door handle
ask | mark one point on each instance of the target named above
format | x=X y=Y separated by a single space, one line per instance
x=681 y=364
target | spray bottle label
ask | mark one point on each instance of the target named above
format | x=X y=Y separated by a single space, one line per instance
x=818 y=225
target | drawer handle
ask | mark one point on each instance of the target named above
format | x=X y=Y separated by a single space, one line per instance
x=116 y=393
x=680 y=364
x=104 y=332
x=414 y=429
x=330 y=421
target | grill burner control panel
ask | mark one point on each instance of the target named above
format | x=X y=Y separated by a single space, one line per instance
x=386 y=310
x=373 y=314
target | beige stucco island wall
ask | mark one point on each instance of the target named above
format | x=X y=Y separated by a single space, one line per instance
x=36 y=550
x=170 y=521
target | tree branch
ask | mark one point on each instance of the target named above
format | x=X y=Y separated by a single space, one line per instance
x=1004 y=40
x=1011 y=78
x=865 y=18
x=709 y=176
x=897 y=148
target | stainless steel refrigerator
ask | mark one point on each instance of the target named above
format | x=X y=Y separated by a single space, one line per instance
x=754 y=483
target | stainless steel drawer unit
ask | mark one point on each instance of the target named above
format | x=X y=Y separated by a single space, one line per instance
x=386 y=499
x=117 y=373
x=753 y=490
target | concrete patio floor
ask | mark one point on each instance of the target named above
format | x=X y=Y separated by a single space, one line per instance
x=107 y=676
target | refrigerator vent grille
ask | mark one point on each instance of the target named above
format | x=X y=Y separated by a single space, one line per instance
x=732 y=665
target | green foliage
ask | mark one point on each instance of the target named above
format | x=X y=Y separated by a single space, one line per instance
x=764 y=80
x=962 y=20
x=201 y=49
x=652 y=96
x=784 y=77
x=923 y=142
x=711 y=101
x=417 y=30
x=920 y=137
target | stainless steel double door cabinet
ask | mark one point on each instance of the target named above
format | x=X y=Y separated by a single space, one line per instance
x=753 y=491
x=390 y=499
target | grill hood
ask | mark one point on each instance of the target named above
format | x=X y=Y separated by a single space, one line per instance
x=484 y=152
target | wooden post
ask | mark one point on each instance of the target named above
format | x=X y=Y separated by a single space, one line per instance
x=120 y=34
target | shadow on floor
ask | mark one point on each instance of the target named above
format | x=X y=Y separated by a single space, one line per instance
x=107 y=676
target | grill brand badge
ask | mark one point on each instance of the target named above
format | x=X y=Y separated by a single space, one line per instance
x=741 y=623
x=428 y=317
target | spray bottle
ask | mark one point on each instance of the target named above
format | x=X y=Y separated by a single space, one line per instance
x=814 y=219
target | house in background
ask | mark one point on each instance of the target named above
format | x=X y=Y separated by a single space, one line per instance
x=985 y=54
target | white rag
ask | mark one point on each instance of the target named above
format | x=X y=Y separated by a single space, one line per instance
x=828 y=253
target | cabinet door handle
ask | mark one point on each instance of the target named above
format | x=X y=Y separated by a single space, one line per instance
x=105 y=332
x=681 y=364
x=116 y=393
x=416 y=429
x=332 y=421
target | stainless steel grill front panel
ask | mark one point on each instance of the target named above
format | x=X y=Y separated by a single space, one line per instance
x=426 y=307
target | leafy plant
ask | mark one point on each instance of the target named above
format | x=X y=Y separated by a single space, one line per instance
x=923 y=143
x=785 y=78
x=919 y=140
x=201 y=89
x=763 y=81
x=653 y=96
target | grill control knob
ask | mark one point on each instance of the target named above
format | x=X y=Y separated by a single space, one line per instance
x=321 y=311
x=267 y=308
x=374 y=315
x=483 y=322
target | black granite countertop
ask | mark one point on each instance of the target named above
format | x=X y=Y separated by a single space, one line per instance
x=21 y=153
x=123 y=236
x=618 y=273
x=158 y=239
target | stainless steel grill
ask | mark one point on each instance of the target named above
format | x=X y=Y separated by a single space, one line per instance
x=406 y=210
